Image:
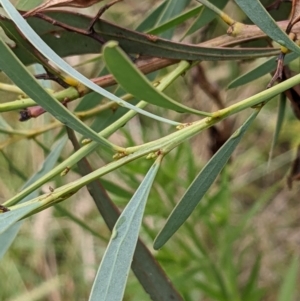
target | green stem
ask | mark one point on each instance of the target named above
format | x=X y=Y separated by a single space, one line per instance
x=11 y=89
x=88 y=148
x=70 y=93
x=164 y=144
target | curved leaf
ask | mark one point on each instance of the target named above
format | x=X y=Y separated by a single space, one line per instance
x=200 y=185
x=122 y=68
x=258 y=15
x=114 y=268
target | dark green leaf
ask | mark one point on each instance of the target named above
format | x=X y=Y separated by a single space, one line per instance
x=200 y=185
x=260 y=70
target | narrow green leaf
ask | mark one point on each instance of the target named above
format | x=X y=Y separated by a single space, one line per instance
x=251 y=285
x=9 y=218
x=9 y=235
x=43 y=48
x=258 y=15
x=114 y=268
x=152 y=18
x=118 y=63
x=172 y=9
x=289 y=284
x=129 y=40
x=28 y=4
x=209 y=289
x=264 y=68
x=205 y=17
x=200 y=185
x=279 y=123
x=175 y=21
x=16 y=71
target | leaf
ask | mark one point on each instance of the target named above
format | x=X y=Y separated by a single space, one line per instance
x=251 y=285
x=55 y=3
x=289 y=284
x=152 y=18
x=9 y=218
x=114 y=268
x=258 y=15
x=175 y=21
x=205 y=17
x=279 y=123
x=14 y=69
x=261 y=70
x=200 y=185
x=27 y=4
x=173 y=8
x=130 y=41
x=7 y=238
x=9 y=235
x=43 y=48
x=122 y=68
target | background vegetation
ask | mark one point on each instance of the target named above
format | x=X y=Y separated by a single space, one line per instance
x=242 y=240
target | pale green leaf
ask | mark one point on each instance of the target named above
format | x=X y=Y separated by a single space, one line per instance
x=7 y=219
x=114 y=268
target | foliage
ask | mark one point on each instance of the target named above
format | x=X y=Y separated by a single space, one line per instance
x=135 y=120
